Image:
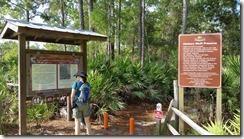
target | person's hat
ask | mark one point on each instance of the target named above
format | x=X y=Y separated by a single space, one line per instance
x=81 y=74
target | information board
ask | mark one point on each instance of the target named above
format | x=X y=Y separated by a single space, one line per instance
x=200 y=60
x=51 y=73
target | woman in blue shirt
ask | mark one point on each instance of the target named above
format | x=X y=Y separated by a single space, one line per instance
x=80 y=112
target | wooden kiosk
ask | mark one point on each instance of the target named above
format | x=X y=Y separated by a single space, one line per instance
x=27 y=31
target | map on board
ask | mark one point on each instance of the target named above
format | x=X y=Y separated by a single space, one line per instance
x=65 y=76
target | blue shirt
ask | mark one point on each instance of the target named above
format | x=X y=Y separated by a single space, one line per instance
x=76 y=86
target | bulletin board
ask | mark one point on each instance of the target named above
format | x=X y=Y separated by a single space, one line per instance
x=51 y=72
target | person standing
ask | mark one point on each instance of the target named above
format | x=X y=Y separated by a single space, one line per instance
x=82 y=98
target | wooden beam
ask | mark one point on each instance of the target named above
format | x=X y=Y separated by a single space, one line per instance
x=48 y=52
x=7 y=28
x=22 y=84
x=28 y=76
x=35 y=37
x=83 y=47
x=78 y=41
x=57 y=39
x=14 y=34
x=168 y=116
x=63 y=35
x=190 y=122
x=172 y=130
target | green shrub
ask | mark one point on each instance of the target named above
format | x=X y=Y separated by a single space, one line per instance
x=216 y=128
x=234 y=127
x=230 y=127
x=40 y=112
x=231 y=83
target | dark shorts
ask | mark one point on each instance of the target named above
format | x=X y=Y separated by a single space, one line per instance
x=82 y=110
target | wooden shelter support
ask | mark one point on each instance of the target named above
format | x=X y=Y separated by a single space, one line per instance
x=22 y=84
x=27 y=31
x=83 y=48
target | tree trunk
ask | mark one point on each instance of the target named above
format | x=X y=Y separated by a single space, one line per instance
x=112 y=50
x=63 y=18
x=184 y=20
x=140 y=28
x=111 y=28
x=108 y=47
x=90 y=9
x=81 y=14
x=143 y=34
x=62 y=12
x=133 y=45
x=28 y=20
x=119 y=20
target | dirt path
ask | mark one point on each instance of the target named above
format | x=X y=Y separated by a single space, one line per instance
x=118 y=124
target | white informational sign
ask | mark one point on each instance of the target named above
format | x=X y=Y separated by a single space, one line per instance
x=43 y=76
x=46 y=76
x=51 y=73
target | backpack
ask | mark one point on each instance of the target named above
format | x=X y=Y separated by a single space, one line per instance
x=76 y=87
x=84 y=93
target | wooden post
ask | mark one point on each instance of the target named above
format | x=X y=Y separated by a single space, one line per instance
x=105 y=120
x=158 y=119
x=219 y=105
x=22 y=84
x=181 y=108
x=168 y=116
x=176 y=98
x=132 y=124
x=158 y=126
x=83 y=63
x=69 y=111
x=83 y=47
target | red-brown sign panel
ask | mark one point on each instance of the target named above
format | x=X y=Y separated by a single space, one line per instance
x=200 y=60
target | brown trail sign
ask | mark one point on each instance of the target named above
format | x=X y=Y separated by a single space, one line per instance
x=199 y=65
x=200 y=60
